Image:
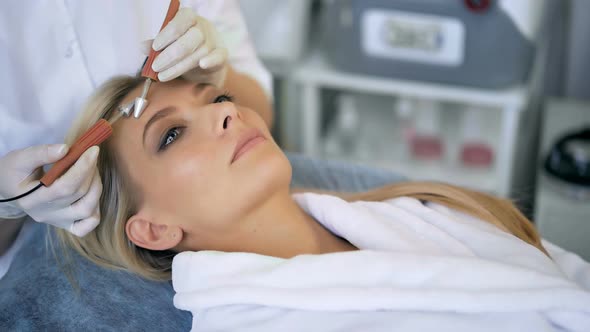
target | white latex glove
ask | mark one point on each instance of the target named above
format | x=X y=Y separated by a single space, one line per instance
x=191 y=48
x=71 y=202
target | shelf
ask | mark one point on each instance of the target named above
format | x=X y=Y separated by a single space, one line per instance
x=478 y=179
x=314 y=73
x=315 y=70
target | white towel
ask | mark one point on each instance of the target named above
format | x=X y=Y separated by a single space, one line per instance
x=420 y=268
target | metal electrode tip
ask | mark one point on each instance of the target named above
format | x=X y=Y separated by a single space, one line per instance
x=141 y=102
x=126 y=109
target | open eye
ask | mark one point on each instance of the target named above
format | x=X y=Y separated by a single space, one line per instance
x=170 y=137
x=223 y=98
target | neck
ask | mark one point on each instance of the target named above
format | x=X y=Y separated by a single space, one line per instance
x=280 y=228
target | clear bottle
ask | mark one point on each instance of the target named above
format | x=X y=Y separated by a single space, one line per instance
x=477 y=146
x=404 y=120
x=427 y=143
x=347 y=125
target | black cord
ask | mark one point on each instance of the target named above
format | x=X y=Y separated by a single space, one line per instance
x=23 y=195
x=142 y=65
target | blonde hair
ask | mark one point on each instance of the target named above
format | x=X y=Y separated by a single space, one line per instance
x=108 y=245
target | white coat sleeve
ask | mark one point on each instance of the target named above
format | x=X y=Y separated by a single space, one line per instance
x=227 y=17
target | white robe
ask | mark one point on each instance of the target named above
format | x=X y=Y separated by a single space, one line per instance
x=420 y=268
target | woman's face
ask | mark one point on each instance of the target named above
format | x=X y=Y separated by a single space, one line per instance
x=198 y=162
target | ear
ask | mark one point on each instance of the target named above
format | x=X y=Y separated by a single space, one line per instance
x=146 y=234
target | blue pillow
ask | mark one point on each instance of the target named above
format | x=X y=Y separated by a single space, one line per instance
x=37 y=295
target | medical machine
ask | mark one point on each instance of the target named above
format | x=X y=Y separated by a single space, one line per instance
x=479 y=43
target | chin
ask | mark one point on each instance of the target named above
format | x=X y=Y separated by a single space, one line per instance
x=271 y=167
x=253 y=180
x=264 y=173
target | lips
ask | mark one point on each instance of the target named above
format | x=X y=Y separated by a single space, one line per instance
x=246 y=141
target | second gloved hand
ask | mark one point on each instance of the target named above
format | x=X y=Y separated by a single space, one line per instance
x=71 y=202
x=192 y=48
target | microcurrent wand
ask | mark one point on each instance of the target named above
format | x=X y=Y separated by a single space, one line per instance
x=103 y=129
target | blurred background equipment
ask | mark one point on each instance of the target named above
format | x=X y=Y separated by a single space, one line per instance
x=433 y=99
x=488 y=44
x=562 y=208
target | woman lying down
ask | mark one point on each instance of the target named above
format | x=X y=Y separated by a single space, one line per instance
x=196 y=191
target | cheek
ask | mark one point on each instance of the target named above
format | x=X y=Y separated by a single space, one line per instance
x=190 y=169
x=193 y=163
x=190 y=183
x=253 y=119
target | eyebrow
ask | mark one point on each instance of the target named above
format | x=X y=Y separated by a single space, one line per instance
x=200 y=88
x=159 y=115
x=197 y=90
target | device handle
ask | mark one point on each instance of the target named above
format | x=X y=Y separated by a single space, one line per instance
x=147 y=70
x=94 y=136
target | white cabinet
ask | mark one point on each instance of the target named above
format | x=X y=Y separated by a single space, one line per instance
x=515 y=124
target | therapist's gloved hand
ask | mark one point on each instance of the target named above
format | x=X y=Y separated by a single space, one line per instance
x=71 y=202
x=192 y=48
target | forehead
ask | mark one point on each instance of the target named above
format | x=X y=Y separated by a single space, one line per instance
x=159 y=91
x=129 y=130
x=161 y=95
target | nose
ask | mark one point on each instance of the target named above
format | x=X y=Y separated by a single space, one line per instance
x=228 y=113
